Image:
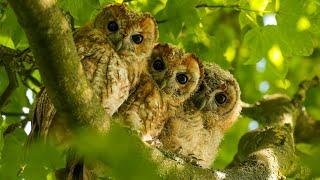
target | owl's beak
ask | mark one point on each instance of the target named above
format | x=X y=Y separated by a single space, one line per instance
x=119 y=46
x=164 y=84
x=203 y=104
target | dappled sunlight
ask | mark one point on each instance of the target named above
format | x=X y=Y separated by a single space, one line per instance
x=275 y=56
x=29 y=95
x=230 y=53
x=261 y=65
x=303 y=24
x=264 y=86
x=46 y=4
x=283 y=84
x=276 y=5
x=258 y=5
x=6 y=41
x=253 y=125
x=312 y=7
x=25 y=110
x=269 y=19
x=27 y=128
x=219 y=1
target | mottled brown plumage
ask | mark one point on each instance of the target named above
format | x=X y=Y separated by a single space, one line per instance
x=110 y=54
x=113 y=51
x=196 y=131
x=172 y=78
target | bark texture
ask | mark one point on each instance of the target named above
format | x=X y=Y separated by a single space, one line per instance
x=51 y=42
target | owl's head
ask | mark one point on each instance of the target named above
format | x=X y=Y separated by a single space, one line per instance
x=129 y=32
x=218 y=97
x=176 y=73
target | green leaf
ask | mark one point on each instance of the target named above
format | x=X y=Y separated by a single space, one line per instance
x=41 y=160
x=9 y=27
x=273 y=41
x=120 y=151
x=175 y=15
x=81 y=10
x=12 y=155
x=148 y=6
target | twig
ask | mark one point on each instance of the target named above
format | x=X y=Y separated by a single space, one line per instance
x=13 y=126
x=304 y=86
x=13 y=84
x=161 y=21
x=14 y=113
x=232 y=6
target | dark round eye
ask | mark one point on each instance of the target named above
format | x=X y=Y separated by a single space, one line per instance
x=201 y=88
x=220 y=98
x=158 y=65
x=182 y=78
x=113 y=26
x=137 y=38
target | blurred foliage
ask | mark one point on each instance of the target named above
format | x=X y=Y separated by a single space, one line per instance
x=269 y=45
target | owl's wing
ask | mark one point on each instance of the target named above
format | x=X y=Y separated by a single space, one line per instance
x=42 y=116
x=186 y=135
x=106 y=71
x=144 y=109
x=116 y=85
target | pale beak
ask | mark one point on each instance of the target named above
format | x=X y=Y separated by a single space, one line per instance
x=164 y=84
x=203 y=104
x=119 y=46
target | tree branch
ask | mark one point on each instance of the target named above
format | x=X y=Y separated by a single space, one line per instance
x=236 y=7
x=13 y=84
x=304 y=86
x=51 y=42
x=279 y=109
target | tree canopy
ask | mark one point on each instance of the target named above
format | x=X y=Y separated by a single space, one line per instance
x=270 y=46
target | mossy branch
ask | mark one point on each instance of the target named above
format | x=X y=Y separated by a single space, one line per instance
x=52 y=45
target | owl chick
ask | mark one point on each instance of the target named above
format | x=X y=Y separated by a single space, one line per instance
x=196 y=131
x=172 y=78
x=113 y=50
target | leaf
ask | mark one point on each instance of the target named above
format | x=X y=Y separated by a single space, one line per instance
x=148 y=6
x=120 y=151
x=12 y=155
x=9 y=27
x=41 y=160
x=175 y=15
x=261 y=40
x=81 y=10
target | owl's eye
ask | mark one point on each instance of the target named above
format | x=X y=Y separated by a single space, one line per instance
x=158 y=65
x=201 y=88
x=182 y=78
x=113 y=26
x=137 y=38
x=220 y=98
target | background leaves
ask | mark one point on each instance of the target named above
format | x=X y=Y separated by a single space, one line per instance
x=269 y=45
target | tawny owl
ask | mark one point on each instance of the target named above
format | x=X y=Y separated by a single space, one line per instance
x=196 y=131
x=172 y=78
x=113 y=51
